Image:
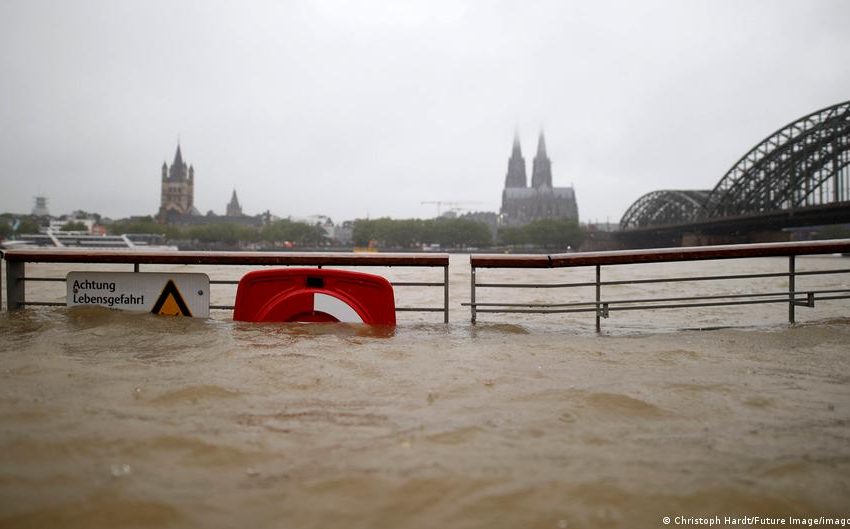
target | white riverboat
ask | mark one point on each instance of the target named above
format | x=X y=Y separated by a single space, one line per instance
x=76 y=239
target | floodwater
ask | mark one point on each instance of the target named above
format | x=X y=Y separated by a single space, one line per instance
x=112 y=419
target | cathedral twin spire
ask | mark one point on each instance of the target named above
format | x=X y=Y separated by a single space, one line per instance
x=516 y=166
x=541 y=174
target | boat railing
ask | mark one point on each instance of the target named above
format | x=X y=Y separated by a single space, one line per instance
x=602 y=306
x=17 y=259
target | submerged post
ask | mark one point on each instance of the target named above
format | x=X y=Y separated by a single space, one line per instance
x=446 y=293
x=472 y=294
x=15 y=293
x=598 y=298
x=791 y=288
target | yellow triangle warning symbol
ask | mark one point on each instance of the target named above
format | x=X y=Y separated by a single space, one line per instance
x=170 y=302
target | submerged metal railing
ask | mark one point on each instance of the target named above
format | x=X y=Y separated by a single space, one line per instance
x=603 y=307
x=16 y=261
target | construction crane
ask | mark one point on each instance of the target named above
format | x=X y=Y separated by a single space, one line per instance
x=454 y=205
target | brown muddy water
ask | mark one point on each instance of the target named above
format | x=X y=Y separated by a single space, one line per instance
x=112 y=419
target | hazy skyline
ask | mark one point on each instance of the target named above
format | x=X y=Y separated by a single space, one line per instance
x=369 y=108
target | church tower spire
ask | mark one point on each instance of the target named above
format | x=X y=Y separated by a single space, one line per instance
x=178 y=190
x=516 y=166
x=541 y=173
x=178 y=156
x=233 y=208
x=178 y=171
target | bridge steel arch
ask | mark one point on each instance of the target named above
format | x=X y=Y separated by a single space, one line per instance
x=662 y=208
x=805 y=163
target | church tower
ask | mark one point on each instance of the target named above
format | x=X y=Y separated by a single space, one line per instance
x=178 y=190
x=541 y=173
x=516 y=166
x=233 y=208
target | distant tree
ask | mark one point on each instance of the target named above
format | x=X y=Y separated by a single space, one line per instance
x=363 y=231
x=546 y=233
x=142 y=225
x=81 y=214
x=457 y=233
x=512 y=236
x=28 y=225
x=298 y=232
x=402 y=233
x=229 y=233
x=73 y=225
x=412 y=233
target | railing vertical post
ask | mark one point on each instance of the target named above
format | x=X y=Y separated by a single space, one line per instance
x=135 y=267
x=598 y=298
x=15 y=293
x=446 y=293
x=791 y=288
x=1 y=280
x=472 y=294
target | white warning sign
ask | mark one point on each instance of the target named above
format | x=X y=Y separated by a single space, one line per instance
x=157 y=292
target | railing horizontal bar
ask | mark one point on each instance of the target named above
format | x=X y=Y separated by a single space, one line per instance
x=645 y=307
x=701 y=253
x=695 y=278
x=52 y=279
x=395 y=284
x=710 y=278
x=631 y=281
x=661 y=255
x=824 y=298
x=815 y=272
x=225 y=258
x=534 y=285
x=530 y=311
x=658 y=280
x=657 y=300
x=718 y=304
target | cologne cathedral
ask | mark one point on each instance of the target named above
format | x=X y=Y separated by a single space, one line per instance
x=522 y=204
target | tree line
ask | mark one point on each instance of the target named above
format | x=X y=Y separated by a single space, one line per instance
x=465 y=233
x=448 y=233
x=548 y=233
x=226 y=232
x=413 y=233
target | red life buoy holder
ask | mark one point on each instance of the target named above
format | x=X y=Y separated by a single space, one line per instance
x=314 y=295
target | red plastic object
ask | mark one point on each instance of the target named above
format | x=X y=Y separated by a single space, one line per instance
x=313 y=294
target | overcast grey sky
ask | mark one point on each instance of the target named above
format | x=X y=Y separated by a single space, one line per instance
x=356 y=108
